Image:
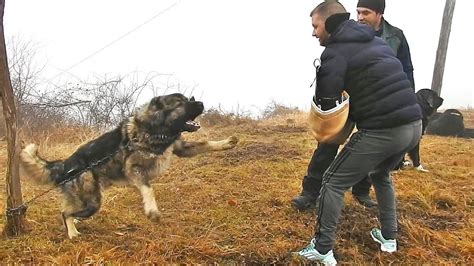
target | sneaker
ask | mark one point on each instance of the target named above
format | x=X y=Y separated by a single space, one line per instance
x=365 y=200
x=310 y=253
x=387 y=245
x=421 y=169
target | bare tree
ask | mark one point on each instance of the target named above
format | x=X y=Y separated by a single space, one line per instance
x=24 y=69
x=15 y=224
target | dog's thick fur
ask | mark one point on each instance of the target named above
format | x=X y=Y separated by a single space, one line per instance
x=135 y=152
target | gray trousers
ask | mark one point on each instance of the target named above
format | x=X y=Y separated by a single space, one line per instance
x=373 y=152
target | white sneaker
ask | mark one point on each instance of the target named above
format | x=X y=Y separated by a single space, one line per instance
x=420 y=168
x=387 y=245
x=310 y=253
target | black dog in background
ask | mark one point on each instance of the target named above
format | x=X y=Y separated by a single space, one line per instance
x=450 y=123
x=429 y=102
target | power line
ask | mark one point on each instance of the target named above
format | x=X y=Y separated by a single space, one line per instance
x=114 y=41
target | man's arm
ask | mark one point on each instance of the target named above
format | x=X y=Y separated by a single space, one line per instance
x=330 y=79
x=403 y=54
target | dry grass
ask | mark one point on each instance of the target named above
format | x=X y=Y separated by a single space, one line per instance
x=233 y=207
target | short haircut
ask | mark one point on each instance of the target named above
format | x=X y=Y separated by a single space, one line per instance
x=328 y=8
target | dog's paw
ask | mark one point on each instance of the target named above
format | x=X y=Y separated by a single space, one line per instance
x=231 y=142
x=154 y=216
x=73 y=233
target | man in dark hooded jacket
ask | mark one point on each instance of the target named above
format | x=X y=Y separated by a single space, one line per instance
x=369 y=12
x=383 y=106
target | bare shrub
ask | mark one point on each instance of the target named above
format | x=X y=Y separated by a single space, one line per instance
x=40 y=118
x=274 y=109
x=101 y=103
x=219 y=117
x=104 y=102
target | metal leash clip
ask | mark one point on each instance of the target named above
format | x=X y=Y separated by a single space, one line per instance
x=317 y=65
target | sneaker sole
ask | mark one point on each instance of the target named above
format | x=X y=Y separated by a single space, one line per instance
x=306 y=207
x=382 y=247
x=314 y=258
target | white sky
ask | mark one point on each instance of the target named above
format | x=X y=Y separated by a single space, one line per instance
x=242 y=53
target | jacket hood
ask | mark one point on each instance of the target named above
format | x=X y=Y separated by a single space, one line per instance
x=352 y=31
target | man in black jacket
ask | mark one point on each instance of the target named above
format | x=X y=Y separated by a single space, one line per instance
x=383 y=106
x=369 y=12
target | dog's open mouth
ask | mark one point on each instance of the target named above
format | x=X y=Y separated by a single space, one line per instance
x=192 y=126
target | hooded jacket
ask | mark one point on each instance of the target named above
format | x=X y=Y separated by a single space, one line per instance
x=357 y=61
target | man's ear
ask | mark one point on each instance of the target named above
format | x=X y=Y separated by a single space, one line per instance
x=332 y=22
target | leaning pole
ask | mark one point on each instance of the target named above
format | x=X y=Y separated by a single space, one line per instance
x=438 y=72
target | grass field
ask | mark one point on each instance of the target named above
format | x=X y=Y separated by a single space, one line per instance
x=234 y=206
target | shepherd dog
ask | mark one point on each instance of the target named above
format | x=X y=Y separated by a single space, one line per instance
x=429 y=102
x=134 y=153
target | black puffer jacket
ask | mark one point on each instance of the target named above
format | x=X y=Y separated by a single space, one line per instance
x=366 y=67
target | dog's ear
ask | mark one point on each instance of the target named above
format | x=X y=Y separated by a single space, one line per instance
x=435 y=101
x=156 y=103
x=438 y=101
x=192 y=99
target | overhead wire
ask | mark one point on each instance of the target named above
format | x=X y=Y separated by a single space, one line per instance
x=113 y=42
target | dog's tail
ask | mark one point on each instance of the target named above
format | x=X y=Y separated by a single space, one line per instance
x=38 y=169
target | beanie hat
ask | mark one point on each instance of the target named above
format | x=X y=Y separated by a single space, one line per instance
x=375 y=5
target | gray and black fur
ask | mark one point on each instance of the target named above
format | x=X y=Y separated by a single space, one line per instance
x=134 y=153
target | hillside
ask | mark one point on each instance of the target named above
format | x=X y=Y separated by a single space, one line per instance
x=234 y=206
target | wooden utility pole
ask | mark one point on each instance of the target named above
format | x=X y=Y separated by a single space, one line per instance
x=438 y=72
x=15 y=224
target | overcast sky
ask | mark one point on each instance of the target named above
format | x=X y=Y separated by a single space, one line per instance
x=242 y=53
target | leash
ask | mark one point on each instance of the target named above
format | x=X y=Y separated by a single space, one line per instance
x=21 y=210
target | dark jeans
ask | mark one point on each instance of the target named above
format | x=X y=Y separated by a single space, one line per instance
x=320 y=161
x=372 y=152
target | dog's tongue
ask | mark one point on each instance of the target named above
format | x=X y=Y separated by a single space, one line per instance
x=192 y=125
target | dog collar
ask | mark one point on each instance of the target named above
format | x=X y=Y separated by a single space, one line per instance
x=160 y=138
x=157 y=143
